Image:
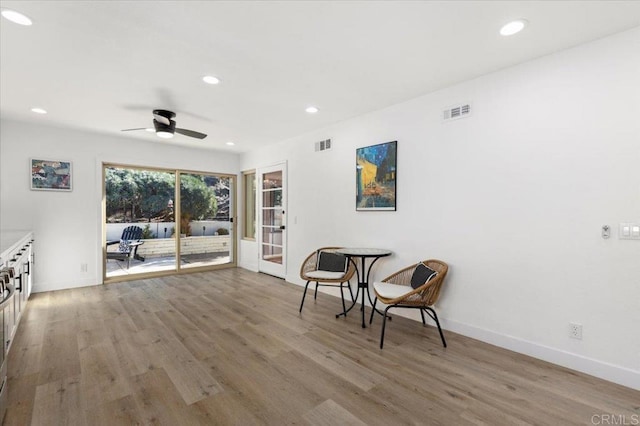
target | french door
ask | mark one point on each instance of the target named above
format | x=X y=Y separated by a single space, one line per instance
x=272 y=233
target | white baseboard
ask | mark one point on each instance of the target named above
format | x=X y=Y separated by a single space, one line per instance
x=40 y=287
x=603 y=370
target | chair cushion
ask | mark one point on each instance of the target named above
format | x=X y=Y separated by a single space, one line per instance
x=391 y=291
x=421 y=275
x=333 y=262
x=326 y=275
x=124 y=246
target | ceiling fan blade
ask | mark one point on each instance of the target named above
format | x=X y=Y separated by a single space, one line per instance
x=161 y=119
x=128 y=130
x=191 y=133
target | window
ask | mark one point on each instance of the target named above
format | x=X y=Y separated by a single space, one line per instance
x=249 y=216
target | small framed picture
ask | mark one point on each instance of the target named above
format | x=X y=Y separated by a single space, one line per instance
x=51 y=175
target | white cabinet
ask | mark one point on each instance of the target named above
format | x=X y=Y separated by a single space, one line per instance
x=16 y=272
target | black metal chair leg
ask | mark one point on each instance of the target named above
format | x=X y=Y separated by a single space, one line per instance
x=384 y=323
x=344 y=307
x=350 y=291
x=304 y=295
x=435 y=318
x=422 y=315
x=315 y=294
x=373 y=310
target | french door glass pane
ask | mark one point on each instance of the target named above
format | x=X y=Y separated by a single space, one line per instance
x=272 y=217
x=206 y=232
x=272 y=253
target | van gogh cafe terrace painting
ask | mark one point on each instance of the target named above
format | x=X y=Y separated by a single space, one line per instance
x=376 y=177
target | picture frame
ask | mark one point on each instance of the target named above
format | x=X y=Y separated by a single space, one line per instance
x=376 y=173
x=51 y=175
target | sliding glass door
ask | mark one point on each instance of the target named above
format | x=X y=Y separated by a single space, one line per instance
x=206 y=219
x=154 y=216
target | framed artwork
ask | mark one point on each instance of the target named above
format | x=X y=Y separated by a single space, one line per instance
x=376 y=168
x=50 y=175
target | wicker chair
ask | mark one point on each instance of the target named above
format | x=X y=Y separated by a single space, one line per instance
x=398 y=291
x=310 y=273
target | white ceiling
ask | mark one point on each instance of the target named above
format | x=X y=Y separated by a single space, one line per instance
x=103 y=66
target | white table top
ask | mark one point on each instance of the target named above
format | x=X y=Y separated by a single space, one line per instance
x=361 y=251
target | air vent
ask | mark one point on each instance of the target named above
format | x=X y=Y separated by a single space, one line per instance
x=456 y=112
x=323 y=145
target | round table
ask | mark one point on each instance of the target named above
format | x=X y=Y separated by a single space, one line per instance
x=362 y=272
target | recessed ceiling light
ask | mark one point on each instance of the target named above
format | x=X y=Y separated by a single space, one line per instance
x=16 y=17
x=39 y=110
x=311 y=110
x=164 y=135
x=209 y=79
x=513 y=27
x=230 y=143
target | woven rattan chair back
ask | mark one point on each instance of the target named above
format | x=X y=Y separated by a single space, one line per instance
x=310 y=264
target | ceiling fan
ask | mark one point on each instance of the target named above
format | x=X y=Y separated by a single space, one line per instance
x=165 y=126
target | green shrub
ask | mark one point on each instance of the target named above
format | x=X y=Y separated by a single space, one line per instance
x=146 y=233
x=223 y=231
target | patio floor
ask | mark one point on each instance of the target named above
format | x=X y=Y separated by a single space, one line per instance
x=116 y=268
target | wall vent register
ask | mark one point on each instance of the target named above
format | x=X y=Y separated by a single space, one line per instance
x=324 y=145
x=456 y=112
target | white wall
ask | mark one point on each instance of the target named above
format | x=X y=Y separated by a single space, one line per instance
x=513 y=198
x=67 y=225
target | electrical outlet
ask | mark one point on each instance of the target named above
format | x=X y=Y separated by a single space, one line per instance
x=83 y=267
x=575 y=330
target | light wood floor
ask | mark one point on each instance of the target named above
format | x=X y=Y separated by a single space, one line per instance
x=229 y=347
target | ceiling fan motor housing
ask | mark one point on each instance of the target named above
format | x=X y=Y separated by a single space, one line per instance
x=164 y=127
x=161 y=127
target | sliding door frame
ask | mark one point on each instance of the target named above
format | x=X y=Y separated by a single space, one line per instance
x=177 y=206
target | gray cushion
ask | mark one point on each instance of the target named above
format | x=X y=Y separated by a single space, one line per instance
x=422 y=275
x=333 y=262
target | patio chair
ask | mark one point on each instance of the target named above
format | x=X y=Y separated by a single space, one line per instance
x=326 y=268
x=415 y=287
x=128 y=245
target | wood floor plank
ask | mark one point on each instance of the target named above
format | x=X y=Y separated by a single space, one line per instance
x=192 y=380
x=156 y=398
x=102 y=380
x=229 y=347
x=229 y=408
x=120 y=412
x=59 y=402
x=60 y=357
x=334 y=361
x=330 y=413
x=21 y=398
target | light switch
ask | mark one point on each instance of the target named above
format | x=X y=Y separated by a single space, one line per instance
x=629 y=231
